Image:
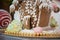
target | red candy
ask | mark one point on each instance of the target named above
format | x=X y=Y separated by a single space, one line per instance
x=5 y=18
x=54 y=5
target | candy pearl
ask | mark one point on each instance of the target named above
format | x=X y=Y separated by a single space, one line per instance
x=26 y=7
x=31 y=7
x=17 y=16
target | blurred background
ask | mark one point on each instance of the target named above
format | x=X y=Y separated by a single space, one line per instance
x=4 y=4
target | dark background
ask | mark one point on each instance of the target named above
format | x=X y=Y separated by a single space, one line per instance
x=4 y=4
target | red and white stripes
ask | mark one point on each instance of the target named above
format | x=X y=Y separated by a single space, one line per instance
x=5 y=18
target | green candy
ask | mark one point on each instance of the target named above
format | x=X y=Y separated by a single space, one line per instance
x=53 y=22
x=15 y=26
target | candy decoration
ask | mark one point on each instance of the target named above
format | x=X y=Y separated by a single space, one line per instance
x=38 y=29
x=17 y=16
x=44 y=15
x=5 y=18
x=53 y=22
x=15 y=25
x=55 y=7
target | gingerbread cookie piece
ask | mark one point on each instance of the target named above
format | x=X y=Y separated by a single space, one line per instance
x=44 y=14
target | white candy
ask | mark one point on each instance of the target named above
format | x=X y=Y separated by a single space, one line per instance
x=17 y=15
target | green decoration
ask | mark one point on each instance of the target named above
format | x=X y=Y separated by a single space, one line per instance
x=15 y=26
x=53 y=22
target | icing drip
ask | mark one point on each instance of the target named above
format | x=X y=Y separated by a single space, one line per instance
x=43 y=5
x=21 y=11
x=17 y=16
x=12 y=8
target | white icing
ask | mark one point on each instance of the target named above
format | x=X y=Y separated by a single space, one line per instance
x=43 y=5
x=15 y=2
x=21 y=11
x=33 y=12
x=49 y=32
x=42 y=1
x=38 y=19
x=31 y=7
x=28 y=9
x=48 y=1
x=12 y=8
x=27 y=16
x=27 y=31
x=34 y=4
x=27 y=4
x=35 y=19
x=17 y=16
